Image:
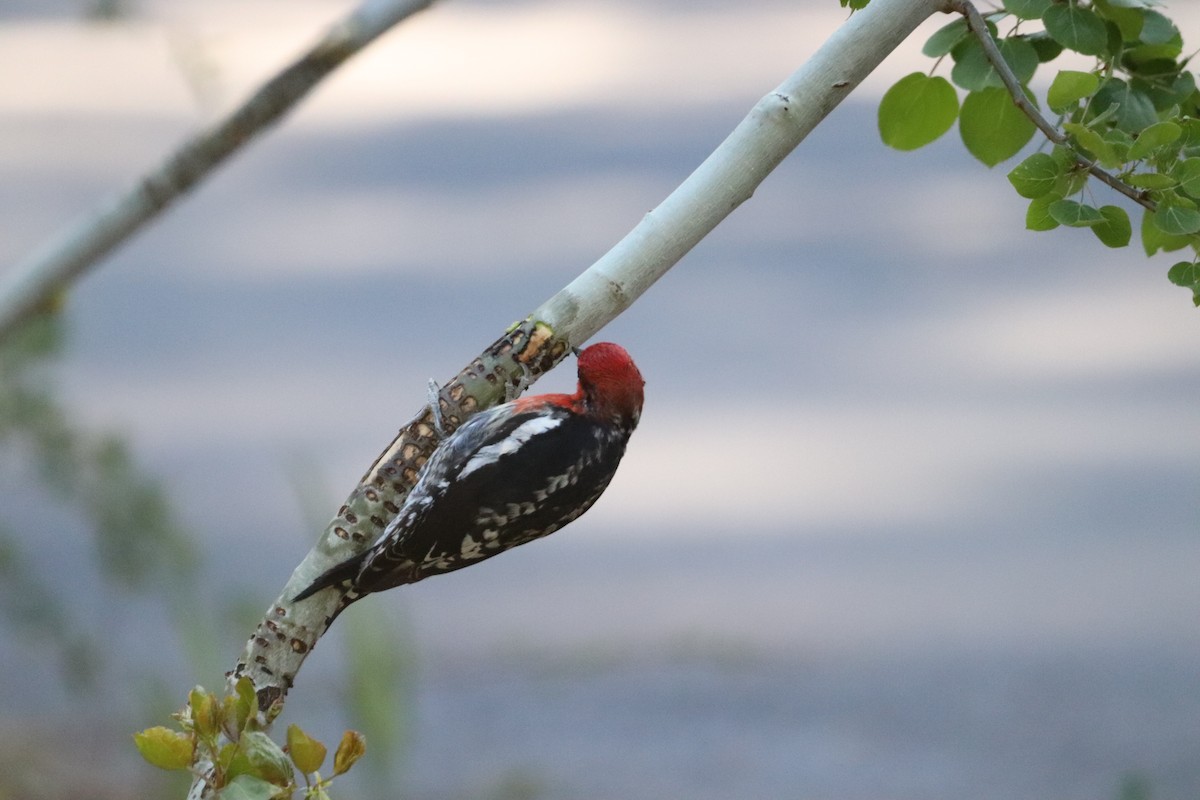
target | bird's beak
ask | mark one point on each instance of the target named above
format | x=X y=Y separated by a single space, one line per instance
x=576 y=351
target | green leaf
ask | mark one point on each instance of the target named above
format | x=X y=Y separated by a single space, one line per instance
x=1021 y=56
x=1131 y=108
x=1119 y=141
x=206 y=716
x=165 y=748
x=1184 y=273
x=1157 y=29
x=1167 y=102
x=1177 y=220
x=1073 y=214
x=973 y=71
x=1187 y=275
x=945 y=38
x=917 y=110
x=257 y=754
x=1149 y=180
x=1045 y=45
x=1153 y=239
x=1187 y=172
x=1115 y=230
x=248 y=787
x=307 y=753
x=1035 y=176
x=1157 y=135
x=1152 y=59
x=992 y=127
x=1191 y=132
x=1133 y=3
x=1076 y=28
x=350 y=750
x=246 y=702
x=1072 y=181
x=1128 y=20
x=1027 y=9
x=1093 y=143
x=1037 y=216
x=1069 y=87
x=1184 y=86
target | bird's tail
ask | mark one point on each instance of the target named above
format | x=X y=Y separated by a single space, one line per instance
x=343 y=574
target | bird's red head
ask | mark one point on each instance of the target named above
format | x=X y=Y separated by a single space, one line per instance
x=610 y=382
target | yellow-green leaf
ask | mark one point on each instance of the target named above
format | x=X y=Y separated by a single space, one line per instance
x=916 y=110
x=1069 y=87
x=1149 y=180
x=206 y=712
x=246 y=702
x=1092 y=142
x=165 y=748
x=992 y=127
x=307 y=753
x=351 y=749
x=1157 y=135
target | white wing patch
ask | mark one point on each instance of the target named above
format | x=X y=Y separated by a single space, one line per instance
x=470 y=548
x=510 y=444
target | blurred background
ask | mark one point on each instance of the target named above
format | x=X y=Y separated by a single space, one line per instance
x=912 y=512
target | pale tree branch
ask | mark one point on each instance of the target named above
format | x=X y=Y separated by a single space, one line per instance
x=726 y=179
x=33 y=282
x=978 y=28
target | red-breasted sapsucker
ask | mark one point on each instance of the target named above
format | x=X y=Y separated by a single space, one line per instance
x=509 y=475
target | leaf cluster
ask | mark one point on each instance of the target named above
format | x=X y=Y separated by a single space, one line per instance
x=220 y=739
x=1132 y=113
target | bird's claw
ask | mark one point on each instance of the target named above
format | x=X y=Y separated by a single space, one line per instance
x=513 y=391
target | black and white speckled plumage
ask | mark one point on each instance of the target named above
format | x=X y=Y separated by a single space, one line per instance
x=509 y=475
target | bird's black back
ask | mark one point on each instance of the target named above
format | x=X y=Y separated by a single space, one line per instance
x=459 y=514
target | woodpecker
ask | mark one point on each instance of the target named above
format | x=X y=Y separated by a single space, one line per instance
x=510 y=474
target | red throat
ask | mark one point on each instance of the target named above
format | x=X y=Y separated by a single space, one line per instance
x=610 y=385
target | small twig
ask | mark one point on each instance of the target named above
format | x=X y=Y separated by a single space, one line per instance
x=32 y=283
x=978 y=27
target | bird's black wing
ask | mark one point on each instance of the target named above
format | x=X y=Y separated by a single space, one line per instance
x=516 y=478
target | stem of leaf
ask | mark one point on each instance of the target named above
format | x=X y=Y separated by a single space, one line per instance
x=976 y=25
